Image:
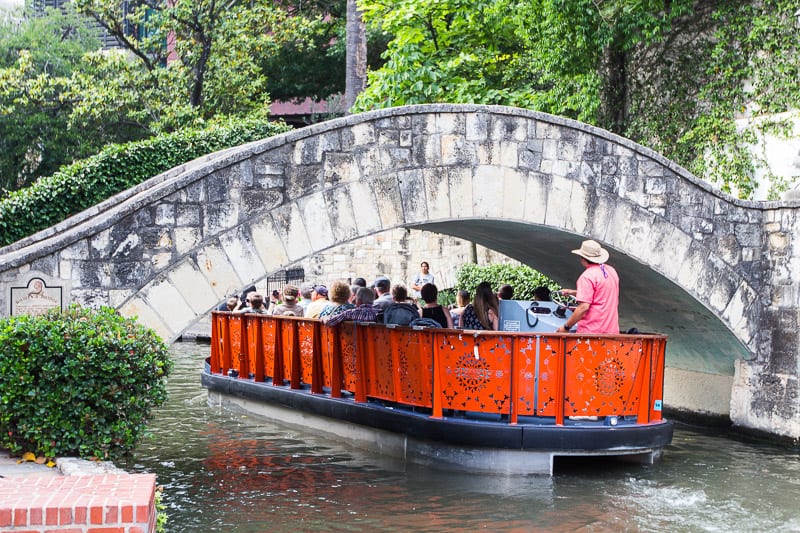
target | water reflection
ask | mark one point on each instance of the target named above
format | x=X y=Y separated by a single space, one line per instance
x=225 y=471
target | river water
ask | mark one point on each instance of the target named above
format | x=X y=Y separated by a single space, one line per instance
x=225 y=471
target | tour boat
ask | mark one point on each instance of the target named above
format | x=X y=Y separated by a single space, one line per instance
x=506 y=402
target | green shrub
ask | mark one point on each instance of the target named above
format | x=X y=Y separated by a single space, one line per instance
x=523 y=278
x=116 y=168
x=81 y=382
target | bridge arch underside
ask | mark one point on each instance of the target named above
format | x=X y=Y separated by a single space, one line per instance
x=698 y=340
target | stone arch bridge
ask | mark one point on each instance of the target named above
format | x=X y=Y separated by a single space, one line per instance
x=717 y=274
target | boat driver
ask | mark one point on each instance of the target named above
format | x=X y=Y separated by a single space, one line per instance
x=597 y=293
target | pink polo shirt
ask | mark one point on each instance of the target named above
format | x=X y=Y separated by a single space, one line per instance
x=599 y=287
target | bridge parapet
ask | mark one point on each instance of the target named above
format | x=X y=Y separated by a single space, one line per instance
x=716 y=273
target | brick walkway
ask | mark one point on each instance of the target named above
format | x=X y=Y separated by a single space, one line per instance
x=35 y=498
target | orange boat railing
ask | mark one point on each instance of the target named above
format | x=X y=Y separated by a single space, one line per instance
x=506 y=373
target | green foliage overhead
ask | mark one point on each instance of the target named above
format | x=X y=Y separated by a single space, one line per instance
x=674 y=75
x=81 y=382
x=37 y=58
x=116 y=168
x=522 y=278
x=182 y=64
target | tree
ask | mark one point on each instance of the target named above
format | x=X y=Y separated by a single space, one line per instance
x=356 y=69
x=37 y=58
x=671 y=74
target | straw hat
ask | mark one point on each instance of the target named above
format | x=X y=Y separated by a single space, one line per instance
x=592 y=251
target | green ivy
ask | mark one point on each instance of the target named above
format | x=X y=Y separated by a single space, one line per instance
x=522 y=278
x=80 y=382
x=116 y=168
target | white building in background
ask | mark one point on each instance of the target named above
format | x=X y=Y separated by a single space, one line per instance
x=11 y=4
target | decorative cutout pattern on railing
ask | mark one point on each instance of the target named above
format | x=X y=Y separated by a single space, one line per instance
x=507 y=373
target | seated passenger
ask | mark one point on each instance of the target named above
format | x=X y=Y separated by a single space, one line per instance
x=231 y=304
x=364 y=311
x=289 y=307
x=432 y=309
x=400 y=312
x=340 y=296
x=541 y=294
x=275 y=298
x=319 y=301
x=243 y=296
x=383 y=295
x=462 y=299
x=305 y=296
x=255 y=304
x=484 y=312
x=506 y=292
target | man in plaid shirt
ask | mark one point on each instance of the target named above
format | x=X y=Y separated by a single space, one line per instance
x=363 y=312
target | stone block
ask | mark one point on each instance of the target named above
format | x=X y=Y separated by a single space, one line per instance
x=477 y=127
x=187 y=215
x=558 y=202
x=307 y=151
x=168 y=303
x=514 y=193
x=693 y=268
x=289 y=223
x=748 y=234
x=214 y=264
x=193 y=287
x=668 y=248
x=365 y=207
x=487 y=193
x=537 y=189
x=186 y=239
x=579 y=206
x=129 y=274
x=447 y=123
x=389 y=201
x=363 y=133
x=77 y=250
x=406 y=138
x=340 y=211
x=302 y=180
x=138 y=308
x=509 y=129
x=437 y=192
x=394 y=158
x=720 y=295
x=459 y=181
x=268 y=244
x=456 y=151
x=241 y=252
x=165 y=214
x=617 y=232
x=413 y=199
x=219 y=217
x=637 y=244
x=269 y=170
x=741 y=312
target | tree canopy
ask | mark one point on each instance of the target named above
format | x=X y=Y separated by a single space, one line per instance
x=680 y=76
x=186 y=63
x=674 y=75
